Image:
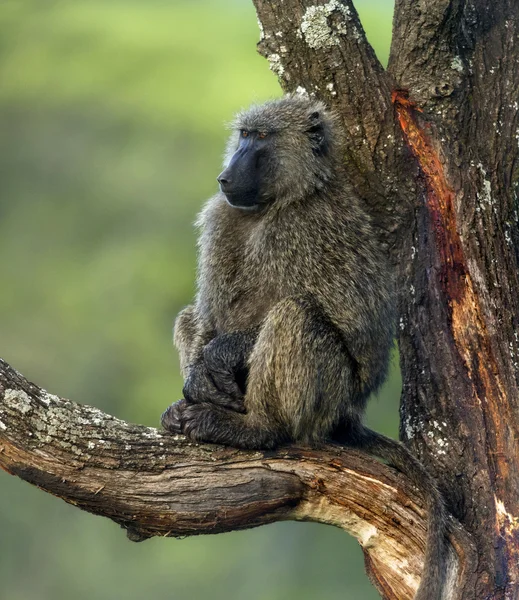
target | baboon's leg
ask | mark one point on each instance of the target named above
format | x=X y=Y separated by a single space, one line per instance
x=191 y=338
x=298 y=388
x=187 y=338
x=219 y=373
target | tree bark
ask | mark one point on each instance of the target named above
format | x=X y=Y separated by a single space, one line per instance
x=156 y=484
x=432 y=148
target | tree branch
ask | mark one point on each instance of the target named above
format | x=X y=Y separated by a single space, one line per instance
x=304 y=40
x=319 y=47
x=156 y=484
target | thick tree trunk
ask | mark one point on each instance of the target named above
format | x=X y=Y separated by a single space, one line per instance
x=433 y=150
x=444 y=191
x=460 y=402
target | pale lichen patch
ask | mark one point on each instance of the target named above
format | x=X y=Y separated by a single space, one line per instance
x=456 y=64
x=262 y=31
x=152 y=433
x=18 y=400
x=409 y=427
x=316 y=28
x=441 y=443
x=47 y=398
x=485 y=196
x=330 y=88
x=275 y=64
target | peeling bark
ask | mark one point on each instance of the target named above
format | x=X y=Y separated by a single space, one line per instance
x=156 y=484
x=433 y=150
x=460 y=68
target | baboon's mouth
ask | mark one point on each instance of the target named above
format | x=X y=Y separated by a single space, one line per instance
x=243 y=201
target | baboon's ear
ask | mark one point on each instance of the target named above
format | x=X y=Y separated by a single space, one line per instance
x=317 y=132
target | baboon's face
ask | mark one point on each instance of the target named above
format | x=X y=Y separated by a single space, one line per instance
x=280 y=151
x=244 y=181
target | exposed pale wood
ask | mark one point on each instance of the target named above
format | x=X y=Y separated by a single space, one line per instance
x=451 y=190
x=432 y=149
x=153 y=483
x=458 y=62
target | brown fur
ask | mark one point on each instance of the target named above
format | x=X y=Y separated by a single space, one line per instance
x=299 y=297
x=313 y=247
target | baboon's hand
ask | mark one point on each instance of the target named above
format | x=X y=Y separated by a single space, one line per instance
x=217 y=386
x=199 y=422
x=226 y=359
x=171 y=418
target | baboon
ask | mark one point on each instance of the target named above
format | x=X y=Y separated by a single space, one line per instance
x=293 y=323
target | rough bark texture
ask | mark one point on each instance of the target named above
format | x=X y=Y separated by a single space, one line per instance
x=448 y=181
x=433 y=150
x=153 y=483
x=461 y=397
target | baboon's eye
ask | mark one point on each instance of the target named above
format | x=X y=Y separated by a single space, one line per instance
x=262 y=135
x=244 y=133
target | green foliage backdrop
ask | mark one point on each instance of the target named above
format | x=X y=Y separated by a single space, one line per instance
x=112 y=120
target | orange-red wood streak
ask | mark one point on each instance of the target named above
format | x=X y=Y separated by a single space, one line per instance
x=440 y=198
x=468 y=323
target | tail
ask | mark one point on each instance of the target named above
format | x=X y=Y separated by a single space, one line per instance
x=398 y=455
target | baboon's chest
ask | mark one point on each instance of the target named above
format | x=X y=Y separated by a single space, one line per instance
x=244 y=297
x=245 y=285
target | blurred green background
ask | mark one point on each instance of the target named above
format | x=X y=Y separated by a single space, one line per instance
x=112 y=130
